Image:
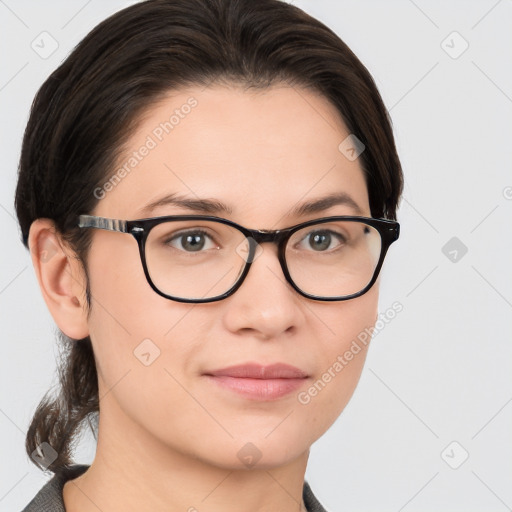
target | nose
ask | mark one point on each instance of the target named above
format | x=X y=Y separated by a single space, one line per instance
x=265 y=306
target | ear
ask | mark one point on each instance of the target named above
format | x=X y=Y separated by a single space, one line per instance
x=61 y=278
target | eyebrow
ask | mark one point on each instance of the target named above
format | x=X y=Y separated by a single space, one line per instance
x=324 y=203
x=198 y=205
x=211 y=206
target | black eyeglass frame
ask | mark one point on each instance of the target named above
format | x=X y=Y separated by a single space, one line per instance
x=389 y=231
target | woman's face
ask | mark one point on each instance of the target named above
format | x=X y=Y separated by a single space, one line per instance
x=262 y=154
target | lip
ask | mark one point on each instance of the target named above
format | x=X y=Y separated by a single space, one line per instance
x=257 y=382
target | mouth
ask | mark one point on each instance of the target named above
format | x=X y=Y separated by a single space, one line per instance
x=259 y=383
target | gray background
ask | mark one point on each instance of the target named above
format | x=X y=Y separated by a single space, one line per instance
x=441 y=370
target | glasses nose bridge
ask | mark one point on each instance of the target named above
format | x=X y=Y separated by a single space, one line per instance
x=256 y=237
x=261 y=236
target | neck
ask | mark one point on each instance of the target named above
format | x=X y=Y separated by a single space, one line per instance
x=133 y=470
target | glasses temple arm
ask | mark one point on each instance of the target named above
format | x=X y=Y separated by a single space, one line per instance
x=91 y=221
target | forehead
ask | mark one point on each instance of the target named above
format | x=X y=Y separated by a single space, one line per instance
x=260 y=152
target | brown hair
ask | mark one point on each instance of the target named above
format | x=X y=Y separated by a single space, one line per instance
x=88 y=107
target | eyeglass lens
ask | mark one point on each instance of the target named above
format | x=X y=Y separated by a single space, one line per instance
x=198 y=259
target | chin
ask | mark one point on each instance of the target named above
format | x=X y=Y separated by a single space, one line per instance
x=257 y=452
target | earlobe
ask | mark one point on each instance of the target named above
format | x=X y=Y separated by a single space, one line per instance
x=61 y=278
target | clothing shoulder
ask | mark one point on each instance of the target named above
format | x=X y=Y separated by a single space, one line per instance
x=49 y=498
x=312 y=504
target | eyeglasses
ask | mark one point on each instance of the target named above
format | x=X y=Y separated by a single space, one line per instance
x=199 y=258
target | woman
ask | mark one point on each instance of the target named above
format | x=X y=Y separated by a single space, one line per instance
x=208 y=189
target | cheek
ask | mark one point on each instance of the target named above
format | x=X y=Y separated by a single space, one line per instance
x=130 y=324
x=144 y=345
x=341 y=358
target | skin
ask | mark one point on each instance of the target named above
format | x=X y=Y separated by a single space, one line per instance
x=168 y=439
